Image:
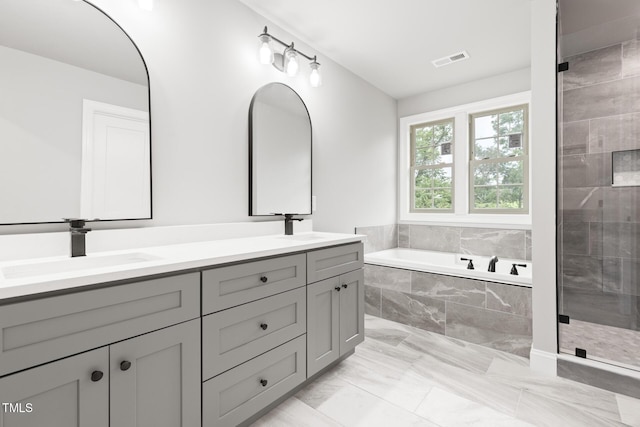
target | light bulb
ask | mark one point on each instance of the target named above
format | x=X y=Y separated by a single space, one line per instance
x=291 y=63
x=146 y=5
x=265 y=52
x=315 y=78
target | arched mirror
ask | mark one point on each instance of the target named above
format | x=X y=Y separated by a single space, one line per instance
x=279 y=152
x=75 y=136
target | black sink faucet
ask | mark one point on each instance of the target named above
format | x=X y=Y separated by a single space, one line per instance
x=288 y=223
x=78 y=233
x=492 y=264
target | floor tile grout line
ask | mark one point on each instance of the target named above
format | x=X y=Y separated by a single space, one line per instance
x=319 y=412
x=385 y=400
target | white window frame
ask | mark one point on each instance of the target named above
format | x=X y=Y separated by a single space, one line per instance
x=461 y=215
x=435 y=166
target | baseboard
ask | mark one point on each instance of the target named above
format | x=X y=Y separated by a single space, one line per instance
x=543 y=362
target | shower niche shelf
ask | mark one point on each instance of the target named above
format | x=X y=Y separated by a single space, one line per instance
x=625 y=167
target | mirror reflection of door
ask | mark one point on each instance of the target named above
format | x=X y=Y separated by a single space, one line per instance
x=54 y=54
x=115 y=167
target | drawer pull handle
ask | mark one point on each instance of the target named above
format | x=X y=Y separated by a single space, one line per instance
x=337 y=288
x=96 y=376
x=125 y=365
x=264 y=326
x=344 y=285
x=264 y=279
x=264 y=382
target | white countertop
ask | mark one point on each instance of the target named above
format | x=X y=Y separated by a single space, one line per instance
x=21 y=281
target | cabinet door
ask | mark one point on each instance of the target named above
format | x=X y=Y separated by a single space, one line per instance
x=351 y=310
x=323 y=317
x=60 y=394
x=155 y=378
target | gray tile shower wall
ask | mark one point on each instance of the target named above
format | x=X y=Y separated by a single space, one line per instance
x=600 y=224
x=491 y=314
x=472 y=241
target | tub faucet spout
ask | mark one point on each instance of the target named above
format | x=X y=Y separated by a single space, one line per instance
x=492 y=264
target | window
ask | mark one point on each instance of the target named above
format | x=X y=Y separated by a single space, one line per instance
x=432 y=166
x=467 y=164
x=499 y=162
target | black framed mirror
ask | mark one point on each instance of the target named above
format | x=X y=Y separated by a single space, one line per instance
x=75 y=128
x=280 y=142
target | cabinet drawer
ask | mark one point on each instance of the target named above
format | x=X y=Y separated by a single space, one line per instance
x=233 y=336
x=38 y=331
x=237 y=284
x=235 y=395
x=330 y=262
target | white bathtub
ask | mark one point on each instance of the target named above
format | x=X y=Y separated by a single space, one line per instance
x=450 y=264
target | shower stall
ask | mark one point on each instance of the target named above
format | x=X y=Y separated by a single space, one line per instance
x=598 y=177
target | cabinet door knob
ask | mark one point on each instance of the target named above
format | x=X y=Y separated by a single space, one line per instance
x=264 y=326
x=264 y=279
x=337 y=288
x=344 y=285
x=264 y=382
x=125 y=365
x=96 y=376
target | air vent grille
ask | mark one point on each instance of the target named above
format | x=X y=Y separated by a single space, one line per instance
x=450 y=59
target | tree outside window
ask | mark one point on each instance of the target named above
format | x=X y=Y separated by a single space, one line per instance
x=432 y=166
x=499 y=162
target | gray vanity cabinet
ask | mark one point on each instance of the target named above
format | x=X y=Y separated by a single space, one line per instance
x=147 y=381
x=335 y=318
x=154 y=380
x=72 y=392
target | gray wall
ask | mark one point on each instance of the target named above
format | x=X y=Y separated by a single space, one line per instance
x=600 y=224
x=202 y=59
x=479 y=90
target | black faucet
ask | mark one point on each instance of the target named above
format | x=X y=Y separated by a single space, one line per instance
x=78 y=233
x=288 y=223
x=492 y=264
x=514 y=270
x=470 y=265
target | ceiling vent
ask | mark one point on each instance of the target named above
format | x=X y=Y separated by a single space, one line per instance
x=450 y=59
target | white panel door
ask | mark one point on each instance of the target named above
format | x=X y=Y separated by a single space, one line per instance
x=116 y=162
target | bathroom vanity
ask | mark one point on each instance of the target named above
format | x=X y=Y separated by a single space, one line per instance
x=210 y=333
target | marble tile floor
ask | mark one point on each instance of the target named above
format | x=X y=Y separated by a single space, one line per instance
x=403 y=376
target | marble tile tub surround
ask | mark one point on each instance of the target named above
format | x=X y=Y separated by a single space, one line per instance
x=419 y=378
x=379 y=237
x=600 y=224
x=506 y=243
x=491 y=314
x=514 y=244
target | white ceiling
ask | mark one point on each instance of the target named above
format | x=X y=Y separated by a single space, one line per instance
x=72 y=32
x=391 y=44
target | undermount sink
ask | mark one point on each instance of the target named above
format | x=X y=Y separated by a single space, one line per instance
x=303 y=237
x=74 y=264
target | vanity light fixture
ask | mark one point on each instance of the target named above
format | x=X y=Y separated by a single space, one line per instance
x=146 y=5
x=287 y=61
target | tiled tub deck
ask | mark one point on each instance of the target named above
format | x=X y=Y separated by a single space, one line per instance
x=495 y=315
